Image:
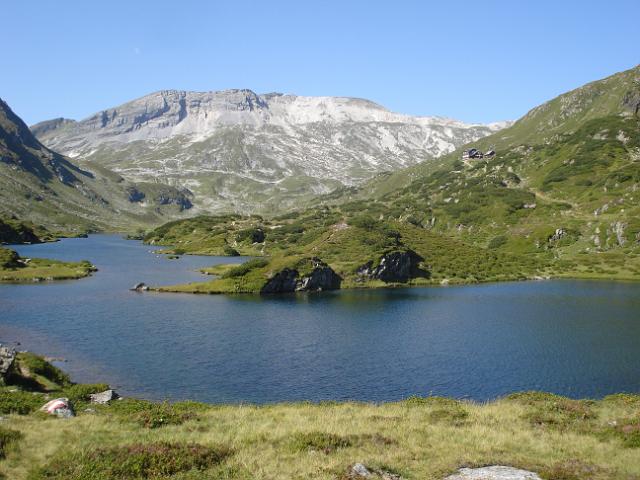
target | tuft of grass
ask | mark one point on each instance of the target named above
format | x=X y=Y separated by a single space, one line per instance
x=319 y=442
x=131 y=462
x=8 y=439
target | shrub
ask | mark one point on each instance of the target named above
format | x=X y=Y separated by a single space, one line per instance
x=253 y=235
x=497 y=242
x=230 y=251
x=19 y=402
x=366 y=222
x=136 y=461
x=245 y=268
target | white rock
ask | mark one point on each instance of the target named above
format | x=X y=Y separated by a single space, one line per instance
x=496 y=472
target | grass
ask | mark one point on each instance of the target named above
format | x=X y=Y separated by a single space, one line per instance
x=305 y=440
x=14 y=269
x=420 y=437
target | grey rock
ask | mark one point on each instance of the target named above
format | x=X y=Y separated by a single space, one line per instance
x=322 y=277
x=398 y=266
x=59 y=407
x=358 y=471
x=495 y=472
x=7 y=358
x=104 y=397
x=558 y=235
x=619 y=229
x=140 y=287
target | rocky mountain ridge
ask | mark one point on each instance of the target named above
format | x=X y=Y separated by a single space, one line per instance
x=237 y=150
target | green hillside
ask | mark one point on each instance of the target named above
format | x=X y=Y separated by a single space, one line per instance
x=559 y=198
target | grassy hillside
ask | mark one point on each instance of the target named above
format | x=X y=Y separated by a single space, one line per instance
x=426 y=438
x=560 y=198
x=346 y=241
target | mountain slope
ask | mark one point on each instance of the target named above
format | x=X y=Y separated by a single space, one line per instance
x=239 y=151
x=42 y=186
x=563 y=183
x=559 y=198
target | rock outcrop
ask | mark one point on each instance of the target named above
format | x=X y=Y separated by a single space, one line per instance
x=7 y=357
x=321 y=277
x=140 y=287
x=399 y=266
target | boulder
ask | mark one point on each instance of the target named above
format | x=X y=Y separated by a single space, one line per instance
x=140 y=287
x=399 y=266
x=321 y=277
x=103 y=397
x=495 y=472
x=7 y=358
x=60 y=407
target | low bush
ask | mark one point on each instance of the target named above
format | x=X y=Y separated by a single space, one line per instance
x=136 y=461
x=20 y=402
x=245 y=268
x=319 y=442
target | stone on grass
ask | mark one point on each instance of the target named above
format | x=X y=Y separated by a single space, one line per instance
x=103 y=397
x=60 y=407
x=495 y=472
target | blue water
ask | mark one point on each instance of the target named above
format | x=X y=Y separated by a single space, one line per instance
x=569 y=337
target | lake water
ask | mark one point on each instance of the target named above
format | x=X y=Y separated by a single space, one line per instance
x=569 y=337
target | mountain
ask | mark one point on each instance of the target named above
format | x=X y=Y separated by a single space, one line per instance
x=558 y=198
x=239 y=151
x=563 y=184
x=39 y=185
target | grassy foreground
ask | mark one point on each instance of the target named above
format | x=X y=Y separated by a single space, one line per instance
x=419 y=438
x=14 y=269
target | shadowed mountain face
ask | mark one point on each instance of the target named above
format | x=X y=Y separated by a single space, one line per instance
x=42 y=186
x=237 y=150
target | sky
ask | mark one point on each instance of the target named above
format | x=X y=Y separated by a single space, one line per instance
x=476 y=61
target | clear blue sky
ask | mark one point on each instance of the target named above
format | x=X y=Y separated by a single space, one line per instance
x=471 y=60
